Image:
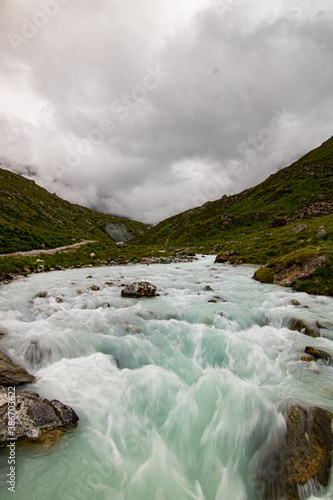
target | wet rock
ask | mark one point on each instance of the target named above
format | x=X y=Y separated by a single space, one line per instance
x=307 y=359
x=37 y=420
x=325 y=325
x=139 y=289
x=317 y=353
x=299 y=463
x=224 y=257
x=58 y=268
x=295 y=302
x=299 y=325
x=306 y=454
x=8 y=277
x=89 y=277
x=207 y=289
x=220 y=259
x=95 y=288
x=42 y=295
x=12 y=374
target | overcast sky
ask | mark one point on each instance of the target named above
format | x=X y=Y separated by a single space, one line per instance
x=145 y=108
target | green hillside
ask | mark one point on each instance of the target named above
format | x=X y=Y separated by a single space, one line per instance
x=33 y=218
x=301 y=191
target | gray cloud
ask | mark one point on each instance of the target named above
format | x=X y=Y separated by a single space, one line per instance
x=144 y=109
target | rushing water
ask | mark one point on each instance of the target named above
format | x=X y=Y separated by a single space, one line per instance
x=177 y=396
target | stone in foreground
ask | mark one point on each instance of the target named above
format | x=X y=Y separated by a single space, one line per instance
x=12 y=374
x=301 y=463
x=37 y=420
x=139 y=289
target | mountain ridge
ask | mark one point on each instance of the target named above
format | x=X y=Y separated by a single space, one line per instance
x=33 y=218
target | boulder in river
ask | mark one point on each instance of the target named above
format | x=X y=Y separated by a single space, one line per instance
x=12 y=374
x=37 y=420
x=307 y=359
x=318 y=353
x=139 y=289
x=221 y=258
x=299 y=325
x=300 y=465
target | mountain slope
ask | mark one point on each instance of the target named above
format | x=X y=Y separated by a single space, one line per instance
x=302 y=190
x=32 y=218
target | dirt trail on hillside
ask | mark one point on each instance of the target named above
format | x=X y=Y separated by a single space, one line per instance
x=50 y=251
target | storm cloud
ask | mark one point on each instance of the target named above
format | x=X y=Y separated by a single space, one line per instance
x=144 y=109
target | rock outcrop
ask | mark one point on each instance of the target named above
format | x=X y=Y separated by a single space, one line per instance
x=36 y=420
x=139 y=289
x=12 y=374
x=118 y=232
x=297 y=272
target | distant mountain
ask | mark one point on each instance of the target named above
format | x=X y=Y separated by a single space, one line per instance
x=32 y=218
x=303 y=190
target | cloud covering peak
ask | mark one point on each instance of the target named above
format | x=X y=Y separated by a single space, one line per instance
x=144 y=109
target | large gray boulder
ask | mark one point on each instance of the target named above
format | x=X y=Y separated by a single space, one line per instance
x=36 y=420
x=12 y=374
x=118 y=232
x=139 y=289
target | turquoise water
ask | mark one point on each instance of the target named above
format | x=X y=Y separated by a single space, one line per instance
x=177 y=396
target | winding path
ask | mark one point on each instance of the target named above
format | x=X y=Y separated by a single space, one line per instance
x=49 y=251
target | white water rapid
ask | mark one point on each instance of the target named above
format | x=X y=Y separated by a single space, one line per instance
x=177 y=396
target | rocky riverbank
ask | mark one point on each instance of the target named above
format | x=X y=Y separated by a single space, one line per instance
x=179 y=257
x=26 y=417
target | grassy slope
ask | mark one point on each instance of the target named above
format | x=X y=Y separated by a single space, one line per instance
x=284 y=194
x=32 y=218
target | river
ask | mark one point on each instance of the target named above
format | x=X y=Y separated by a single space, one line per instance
x=177 y=396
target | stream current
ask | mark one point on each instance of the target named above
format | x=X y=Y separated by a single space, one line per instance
x=177 y=395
